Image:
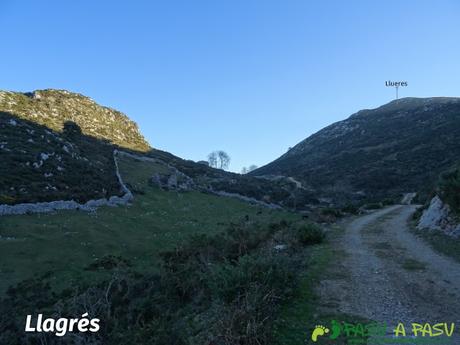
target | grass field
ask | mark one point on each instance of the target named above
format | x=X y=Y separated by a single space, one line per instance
x=63 y=244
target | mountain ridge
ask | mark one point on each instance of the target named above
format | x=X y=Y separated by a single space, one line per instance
x=377 y=153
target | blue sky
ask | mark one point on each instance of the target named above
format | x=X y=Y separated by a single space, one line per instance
x=249 y=77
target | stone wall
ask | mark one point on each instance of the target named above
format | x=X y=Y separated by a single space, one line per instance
x=91 y=205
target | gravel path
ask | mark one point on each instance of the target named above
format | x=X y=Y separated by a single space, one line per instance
x=387 y=274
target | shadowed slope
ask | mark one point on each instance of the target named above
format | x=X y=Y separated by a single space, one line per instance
x=400 y=147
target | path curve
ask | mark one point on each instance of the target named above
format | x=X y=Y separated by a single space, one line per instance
x=388 y=274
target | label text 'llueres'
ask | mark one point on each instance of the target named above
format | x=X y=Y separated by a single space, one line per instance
x=396 y=83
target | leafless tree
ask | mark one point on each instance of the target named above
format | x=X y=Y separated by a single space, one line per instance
x=224 y=159
x=219 y=159
x=212 y=159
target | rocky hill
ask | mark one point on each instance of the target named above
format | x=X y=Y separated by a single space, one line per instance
x=57 y=145
x=379 y=153
x=53 y=108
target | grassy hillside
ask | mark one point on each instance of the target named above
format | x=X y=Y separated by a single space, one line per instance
x=66 y=243
x=399 y=147
x=180 y=265
x=172 y=268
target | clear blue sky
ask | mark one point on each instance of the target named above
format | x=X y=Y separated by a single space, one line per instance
x=249 y=77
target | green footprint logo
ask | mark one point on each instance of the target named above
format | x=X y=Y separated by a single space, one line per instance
x=336 y=329
x=319 y=331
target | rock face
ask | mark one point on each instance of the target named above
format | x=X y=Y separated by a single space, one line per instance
x=408 y=198
x=172 y=180
x=379 y=153
x=53 y=108
x=438 y=216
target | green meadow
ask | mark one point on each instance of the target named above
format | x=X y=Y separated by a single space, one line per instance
x=62 y=246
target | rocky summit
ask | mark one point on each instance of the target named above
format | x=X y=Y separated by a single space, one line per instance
x=53 y=108
x=400 y=147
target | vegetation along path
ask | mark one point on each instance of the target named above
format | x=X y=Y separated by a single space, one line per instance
x=391 y=275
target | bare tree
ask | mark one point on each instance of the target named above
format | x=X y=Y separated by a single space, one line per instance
x=244 y=170
x=219 y=159
x=224 y=159
x=212 y=159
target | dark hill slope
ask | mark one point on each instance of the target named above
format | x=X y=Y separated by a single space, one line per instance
x=280 y=191
x=57 y=145
x=399 y=147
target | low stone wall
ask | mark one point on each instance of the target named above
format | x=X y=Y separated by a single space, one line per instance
x=91 y=205
x=123 y=186
x=245 y=198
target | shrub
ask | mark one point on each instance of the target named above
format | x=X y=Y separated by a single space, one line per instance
x=373 y=206
x=350 y=209
x=6 y=199
x=418 y=213
x=230 y=282
x=309 y=234
x=449 y=187
x=329 y=211
x=224 y=289
x=246 y=296
x=108 y=262
x=387 y=201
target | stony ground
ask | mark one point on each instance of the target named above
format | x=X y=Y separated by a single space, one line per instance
x=385 y=273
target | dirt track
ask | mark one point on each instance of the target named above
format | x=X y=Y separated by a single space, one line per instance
x=385 y=273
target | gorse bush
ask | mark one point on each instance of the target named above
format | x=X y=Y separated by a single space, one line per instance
x=310 y=233
x=449 y=187
x=245 y=298
x=267 y=273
